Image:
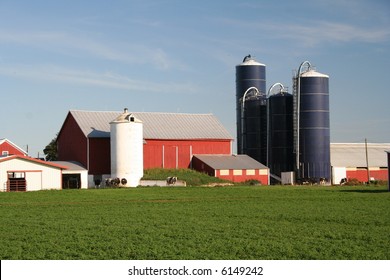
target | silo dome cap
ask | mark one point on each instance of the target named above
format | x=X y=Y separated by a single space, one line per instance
x=126 y=117
x=249 y=60
x=312 y=73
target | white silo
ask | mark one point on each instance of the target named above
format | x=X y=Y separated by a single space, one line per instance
x=126 y=143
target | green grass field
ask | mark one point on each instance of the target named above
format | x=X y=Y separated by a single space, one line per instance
x=238 y=222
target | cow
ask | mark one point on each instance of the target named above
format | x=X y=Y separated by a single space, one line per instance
x=171 y=181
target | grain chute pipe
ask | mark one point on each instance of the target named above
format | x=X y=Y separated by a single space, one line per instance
x=243 y=113
x=298 y=77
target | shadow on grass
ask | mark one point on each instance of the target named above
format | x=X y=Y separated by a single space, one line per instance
x=366 y=191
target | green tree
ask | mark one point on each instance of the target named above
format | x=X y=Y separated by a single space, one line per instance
x=50 y=150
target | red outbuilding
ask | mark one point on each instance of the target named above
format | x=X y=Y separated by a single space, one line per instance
x=235 y=168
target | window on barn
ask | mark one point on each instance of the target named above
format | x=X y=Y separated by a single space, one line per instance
x=16 y=181
x=4 y=153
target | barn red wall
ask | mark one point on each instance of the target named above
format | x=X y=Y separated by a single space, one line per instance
x=263 y=179
x=153 y=151
x=200 y=166
x=71 y=142
x=99 y=156
x=361 y=174
x=5 y=146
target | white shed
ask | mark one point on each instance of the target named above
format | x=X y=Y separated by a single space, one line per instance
x=22 y=173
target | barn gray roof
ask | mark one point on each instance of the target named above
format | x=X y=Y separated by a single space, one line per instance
x=71 y=165
x=354 y=154
x=230 y=162
x=95 y=124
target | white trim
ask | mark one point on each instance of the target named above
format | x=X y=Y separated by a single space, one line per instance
x=224 y=172
x=237 y=172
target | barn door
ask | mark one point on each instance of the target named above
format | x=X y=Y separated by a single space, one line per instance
x=171 y=156
x=177 y=156
x=16 y=181
x=71 y=181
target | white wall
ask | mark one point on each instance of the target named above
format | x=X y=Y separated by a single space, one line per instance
x=38 y=176
x=338 y=173
x=84 y=179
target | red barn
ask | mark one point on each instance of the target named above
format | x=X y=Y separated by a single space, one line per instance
x=235 y=168
x=8 y=148
x=170 y=139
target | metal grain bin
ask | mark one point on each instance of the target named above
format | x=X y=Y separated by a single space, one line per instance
x=280 y=141
x=314 y=130
x=251 y=109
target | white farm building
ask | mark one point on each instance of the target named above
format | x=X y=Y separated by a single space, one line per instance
x=22 y=173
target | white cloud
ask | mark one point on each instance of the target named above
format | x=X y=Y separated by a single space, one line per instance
x=76 y=45
x=50 y=73
x=312 y=33
x=319 y=32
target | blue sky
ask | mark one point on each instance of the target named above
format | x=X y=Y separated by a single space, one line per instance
x=180 y=56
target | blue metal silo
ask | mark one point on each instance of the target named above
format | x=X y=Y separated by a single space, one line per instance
x=312 y=124
x=251 y=109
x=280 y=131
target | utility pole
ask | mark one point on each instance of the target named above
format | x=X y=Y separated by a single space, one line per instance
x=368 y=167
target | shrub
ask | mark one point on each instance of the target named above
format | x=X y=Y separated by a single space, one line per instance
x=191 y=177
x=353 y=182
x=251 y=182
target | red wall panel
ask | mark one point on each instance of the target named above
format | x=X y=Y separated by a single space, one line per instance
x=361 y=174
x=200 y=166
x=263 y=179
x=99 y=156
x=177 y=153
x=152 y=156
x=71 y=142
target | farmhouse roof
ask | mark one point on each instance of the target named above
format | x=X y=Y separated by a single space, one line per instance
x=96 y=124
x=33 y=160
x=354 y=154
x=231 y=162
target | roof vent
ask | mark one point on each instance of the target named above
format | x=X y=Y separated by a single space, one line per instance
x=125 y=110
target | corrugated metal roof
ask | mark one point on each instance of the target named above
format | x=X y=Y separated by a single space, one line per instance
x=71 y=165
x=230 y=162
x=156 y=125
x=354 y=154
